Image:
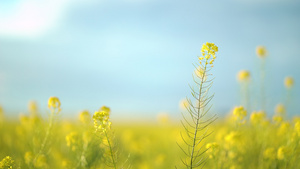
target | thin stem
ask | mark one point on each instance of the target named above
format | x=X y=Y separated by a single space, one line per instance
x=198 y=118
x=111 y=152
x=46 y=138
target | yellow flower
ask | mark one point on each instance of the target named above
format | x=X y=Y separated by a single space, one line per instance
x=289 y=82
x=53 y=103
x=280 y=109
x=7 y=162
x=283 y=152
x=284 y=127
x=84 y=117
x=72 y=140
x=101 y=121
x=209 y=51
x=257 y=117
x=212 y=147
x=243 y=76
x=40 y=162
x=277 y=119
x=270 y=153
x=233 y=137
x=28 y=157
x=297 y=127
x=261 y=51
x=106 y=109
x=33 y=108
x=240 y=112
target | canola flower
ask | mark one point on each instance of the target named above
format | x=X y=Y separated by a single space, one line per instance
x=85 y=117
x=239 y=112
x=270 y=153
x=257 y=117
x=277 y=119
x=72 y=140
x=297 y=127
x=280 y=109
x=261 y=51
x=54 y=106
x=101 y=121
x=197 y=109
x=54 y=103
x=6 y=162
x=102 y=126
x=283 y=152
x=212 y=149
x=208 y=51
x=261 y=142
x=243 y=76
x=289 y=82
x=28 y=157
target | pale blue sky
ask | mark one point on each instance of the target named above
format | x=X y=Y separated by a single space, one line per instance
x=136 y=56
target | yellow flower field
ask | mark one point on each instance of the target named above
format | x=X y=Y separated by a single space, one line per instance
x=241 y=139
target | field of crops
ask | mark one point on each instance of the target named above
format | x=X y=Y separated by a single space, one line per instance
x=245 y=138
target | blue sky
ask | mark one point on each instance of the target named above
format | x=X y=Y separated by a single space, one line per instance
x=136 y=56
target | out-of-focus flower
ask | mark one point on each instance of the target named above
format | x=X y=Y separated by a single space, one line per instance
x=105 y=108
x=289 y=82
x=212 y=149
x=280 y=109
x=297 y=128
x=33 y=108
x=243 y=76
x=239 y=112
x=85 y=117
x=277 y=119
x=261 y=51
x=270 y=153
x=283 y=152
x=284 y=127
x=233 y=137
x=53 y=103
x=257 y=117
x=41 y=161
x=72 y=140
x=28 y=157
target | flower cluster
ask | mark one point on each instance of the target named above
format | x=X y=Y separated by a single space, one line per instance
x=257 y=117
x=7 y=162
x=212 y=149
x=72 y=140
x=208 y=51
x=240 y=113
x=85 y=117
x=101 y=120
x=54 y=103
